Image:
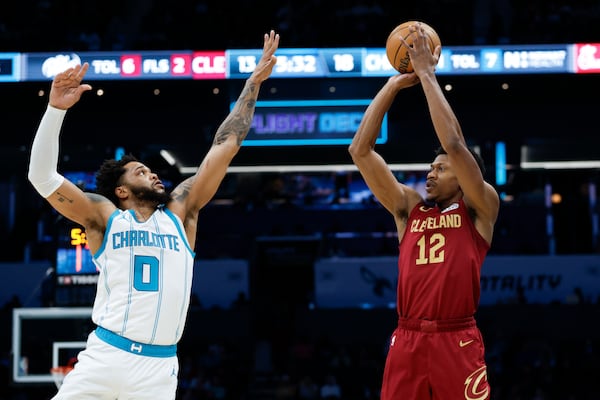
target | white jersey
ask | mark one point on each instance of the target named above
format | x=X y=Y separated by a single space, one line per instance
x=145 y=277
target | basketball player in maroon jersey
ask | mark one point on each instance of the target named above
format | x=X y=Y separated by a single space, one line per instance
x=436 y=352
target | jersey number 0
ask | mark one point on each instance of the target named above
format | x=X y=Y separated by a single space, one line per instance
x=145 y=275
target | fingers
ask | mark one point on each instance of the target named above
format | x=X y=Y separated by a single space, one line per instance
x=406 y=79
x=84 y=87
x=271 y=42
x=71 y=77
x=421 y=37
x=420 y=41
x=78 y=72
x=73 y=73
x=81 y=71
x=268 y=59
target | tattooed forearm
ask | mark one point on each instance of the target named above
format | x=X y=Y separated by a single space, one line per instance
x=182 y=190
x=238 y=122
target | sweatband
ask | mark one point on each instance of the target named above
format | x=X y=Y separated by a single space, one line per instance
x=43 y=161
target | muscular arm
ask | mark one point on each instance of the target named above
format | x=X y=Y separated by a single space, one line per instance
x=226 y=143
x=195 y=192
x=91 y=211
x=479 y=195
x=397 y=198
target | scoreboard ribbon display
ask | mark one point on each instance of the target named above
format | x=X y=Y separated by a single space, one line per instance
x=308 y=122
x=9 y=67
x=299 y=62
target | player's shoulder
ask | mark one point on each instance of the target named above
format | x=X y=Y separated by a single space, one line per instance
x=102 y=209
x=98 y=198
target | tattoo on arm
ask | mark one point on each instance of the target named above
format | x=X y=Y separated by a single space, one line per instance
x=95 y=198
x=182 y=191
x=62 y=198
x=239 y=120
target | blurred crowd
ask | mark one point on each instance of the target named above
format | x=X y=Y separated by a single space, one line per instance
x=43 y=25
x=326 y=367
x=519 y=368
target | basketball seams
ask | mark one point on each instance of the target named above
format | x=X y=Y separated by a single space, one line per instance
x=399 y=57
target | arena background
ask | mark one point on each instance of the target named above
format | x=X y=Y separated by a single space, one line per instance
x=269 y=236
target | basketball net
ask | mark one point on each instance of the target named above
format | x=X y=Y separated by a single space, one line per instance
x=58 y=374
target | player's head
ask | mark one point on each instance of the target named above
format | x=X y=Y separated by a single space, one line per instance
x=476 y=156
x=442 y=184
x=128 y=177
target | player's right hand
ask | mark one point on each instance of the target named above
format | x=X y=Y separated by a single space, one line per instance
x=66 y=89
x=421 y=57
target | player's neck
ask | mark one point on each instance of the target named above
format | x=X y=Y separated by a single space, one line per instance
x=142 y=215
x=443 y=204
x=142 y=209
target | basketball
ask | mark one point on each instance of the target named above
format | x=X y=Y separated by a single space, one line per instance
x=397 y=54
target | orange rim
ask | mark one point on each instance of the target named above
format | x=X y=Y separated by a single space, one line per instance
x=61 y=370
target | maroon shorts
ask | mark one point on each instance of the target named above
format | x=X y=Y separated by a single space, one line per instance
x=436 y=360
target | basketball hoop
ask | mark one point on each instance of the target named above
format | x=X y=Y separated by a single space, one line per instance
x=58 y=374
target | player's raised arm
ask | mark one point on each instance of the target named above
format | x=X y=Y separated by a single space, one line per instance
x=479 y=195
x=64 y=196
x=397 y=198
x=196 y=191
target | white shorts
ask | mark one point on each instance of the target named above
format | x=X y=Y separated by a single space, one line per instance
x=106 y=372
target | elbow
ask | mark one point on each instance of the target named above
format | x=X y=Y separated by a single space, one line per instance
x=45 y=184
x=356 y=150
x=351 y=150
x=356 y=154
x=35 y=178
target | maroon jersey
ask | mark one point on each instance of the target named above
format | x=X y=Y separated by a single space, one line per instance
x=439 y=264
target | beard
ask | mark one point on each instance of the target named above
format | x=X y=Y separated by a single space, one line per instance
x=148 y=194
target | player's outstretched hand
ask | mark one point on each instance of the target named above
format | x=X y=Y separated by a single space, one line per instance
x=268 y=59
x=67 y=88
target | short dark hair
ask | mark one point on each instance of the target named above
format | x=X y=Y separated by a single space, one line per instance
x=480 y=163
x=109 y=176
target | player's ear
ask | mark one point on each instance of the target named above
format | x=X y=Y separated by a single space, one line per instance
x=121 y=191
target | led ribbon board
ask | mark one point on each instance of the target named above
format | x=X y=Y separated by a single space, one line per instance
x=299 y=62
x=308 y=122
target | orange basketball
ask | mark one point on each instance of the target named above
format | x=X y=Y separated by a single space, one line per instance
x=397 y=54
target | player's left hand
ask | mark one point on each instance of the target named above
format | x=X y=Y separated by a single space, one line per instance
x=405 y=80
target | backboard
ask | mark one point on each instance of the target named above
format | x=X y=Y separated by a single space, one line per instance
x=43 y=338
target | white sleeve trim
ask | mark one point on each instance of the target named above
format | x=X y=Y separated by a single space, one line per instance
x=43 y=162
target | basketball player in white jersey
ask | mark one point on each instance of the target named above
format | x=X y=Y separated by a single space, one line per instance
x=142 y=239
